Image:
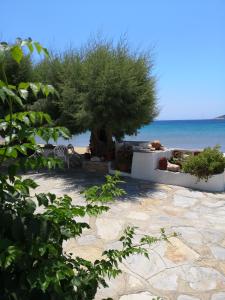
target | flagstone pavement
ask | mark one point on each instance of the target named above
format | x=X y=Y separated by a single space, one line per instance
x=190 y=266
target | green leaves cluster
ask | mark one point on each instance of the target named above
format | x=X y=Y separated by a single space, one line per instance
x=207 y=163
x=16 y=50
x=22 y=91
x=102 y=85
x=33 y=264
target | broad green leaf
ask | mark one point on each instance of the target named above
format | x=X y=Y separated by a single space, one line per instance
x=13 y=253
x=47 y=118
x=29 y=45
x=2 y=151
x=11 y=94
x=38 y=47
x=2 y=83
x=51 y=89
x=23 y=93
x=24 y=85
x=64 y=132
x=44 y=89
x=55 y=135
x=42 y=199
x=2 y=95
x=45 y=51
x=48 y=89
x=17 y=53
x=18 y=100
x=32 y=117
x=12 y=87
x=11 y=137
x=7 y=118
x=35 y=88
x=11 y=152
x=8 y=91
x=31 y=183
x=22 y=149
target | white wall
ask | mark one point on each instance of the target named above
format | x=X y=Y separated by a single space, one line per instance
x=145 y=166
x=215 y=183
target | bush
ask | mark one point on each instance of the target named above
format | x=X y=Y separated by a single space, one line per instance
x=206 y=164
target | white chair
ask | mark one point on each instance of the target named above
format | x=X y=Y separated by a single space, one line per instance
x=70 y=148
x=61 y=151
x=48 y=150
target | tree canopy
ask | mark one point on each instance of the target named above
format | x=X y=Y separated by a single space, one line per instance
x=103 y=87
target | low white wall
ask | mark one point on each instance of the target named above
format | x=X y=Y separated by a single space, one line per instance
x=215 y=183
x=145 y=164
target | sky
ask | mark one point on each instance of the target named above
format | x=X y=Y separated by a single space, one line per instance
x=186 y=38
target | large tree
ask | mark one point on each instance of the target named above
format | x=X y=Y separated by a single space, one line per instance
x=106 y=89
x=49 y=71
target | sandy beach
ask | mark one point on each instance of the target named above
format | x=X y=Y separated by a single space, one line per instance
x=80 y=150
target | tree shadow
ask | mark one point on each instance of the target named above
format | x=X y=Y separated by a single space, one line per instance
x=76 y=180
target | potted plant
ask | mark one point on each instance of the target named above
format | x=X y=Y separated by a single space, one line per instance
x=162 y=163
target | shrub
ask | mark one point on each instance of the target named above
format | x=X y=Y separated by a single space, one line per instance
x=206 y=164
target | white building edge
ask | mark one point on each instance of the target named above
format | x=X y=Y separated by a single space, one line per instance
x=145 y=166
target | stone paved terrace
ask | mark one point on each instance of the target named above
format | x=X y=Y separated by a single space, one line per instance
x=189 y=267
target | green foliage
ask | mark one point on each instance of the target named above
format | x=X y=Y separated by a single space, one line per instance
x=101 y=86
x=206 y=164
x=14 y=72
x=50 y=72
x=106 y=193
x=33 y=264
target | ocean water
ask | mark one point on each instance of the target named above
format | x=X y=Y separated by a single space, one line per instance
x=189 y=134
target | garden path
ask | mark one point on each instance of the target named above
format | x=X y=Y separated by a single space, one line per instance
x=190 y=266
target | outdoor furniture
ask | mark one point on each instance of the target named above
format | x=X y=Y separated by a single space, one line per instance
x=48 y=150
x=70 y=148
x=37 y=154
x=61 y=151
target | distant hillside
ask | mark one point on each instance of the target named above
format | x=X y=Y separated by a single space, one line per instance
x=221 y=117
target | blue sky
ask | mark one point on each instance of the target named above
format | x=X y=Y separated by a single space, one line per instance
x=187 y=37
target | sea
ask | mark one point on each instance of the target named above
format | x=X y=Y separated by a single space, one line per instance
x=185 y=134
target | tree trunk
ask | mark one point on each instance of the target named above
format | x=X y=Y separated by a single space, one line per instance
x=101 y=143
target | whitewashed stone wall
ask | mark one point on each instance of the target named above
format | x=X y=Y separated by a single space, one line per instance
x=145 y=166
